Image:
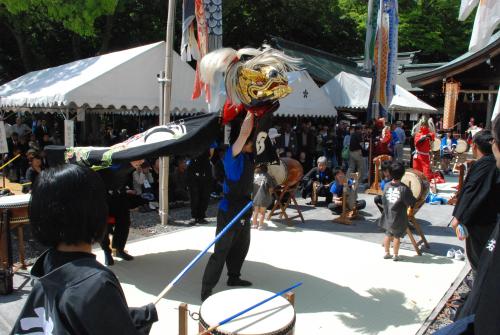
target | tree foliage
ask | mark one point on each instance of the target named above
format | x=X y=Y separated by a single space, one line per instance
x=77 y=16
x=43 y=33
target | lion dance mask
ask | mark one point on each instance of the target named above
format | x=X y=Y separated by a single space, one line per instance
x=254 y=79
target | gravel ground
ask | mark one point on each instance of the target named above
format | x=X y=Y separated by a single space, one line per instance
x=448 y=312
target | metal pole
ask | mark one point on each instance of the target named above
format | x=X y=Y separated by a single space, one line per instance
x=165 y=115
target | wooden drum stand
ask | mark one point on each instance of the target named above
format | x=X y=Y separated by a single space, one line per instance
x=349 y=214
x=377 y=162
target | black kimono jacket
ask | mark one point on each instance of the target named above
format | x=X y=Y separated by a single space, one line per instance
x=477 y=202
x=478 y=205
x=75 y=294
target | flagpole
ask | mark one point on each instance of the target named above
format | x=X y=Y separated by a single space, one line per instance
x=165 y=109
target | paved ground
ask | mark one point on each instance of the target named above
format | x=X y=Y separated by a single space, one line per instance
x=433 y=220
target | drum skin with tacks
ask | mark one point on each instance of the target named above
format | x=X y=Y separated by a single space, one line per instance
x=419 y=186
x=275 y=317
x=288 y=173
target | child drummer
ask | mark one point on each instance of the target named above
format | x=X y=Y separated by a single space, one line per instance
x=396 y=199
x=263 y=186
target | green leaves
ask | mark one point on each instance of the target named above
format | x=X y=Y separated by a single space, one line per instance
x=77 y=16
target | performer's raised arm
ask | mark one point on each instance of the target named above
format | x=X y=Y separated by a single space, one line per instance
x=246 y=130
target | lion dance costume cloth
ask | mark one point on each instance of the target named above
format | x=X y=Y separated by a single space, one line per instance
x=424 y=135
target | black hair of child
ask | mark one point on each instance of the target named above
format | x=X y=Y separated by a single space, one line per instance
x=68 y=205
x=397 y=170
x=483 y=139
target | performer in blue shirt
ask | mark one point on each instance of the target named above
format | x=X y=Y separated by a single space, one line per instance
x=232 y=248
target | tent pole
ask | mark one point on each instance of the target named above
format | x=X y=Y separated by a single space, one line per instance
x=164 y=161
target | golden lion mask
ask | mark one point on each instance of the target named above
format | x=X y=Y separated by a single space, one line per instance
x=261 y=85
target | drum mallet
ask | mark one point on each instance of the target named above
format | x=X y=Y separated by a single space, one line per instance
x=201 y=253
x=223 y=322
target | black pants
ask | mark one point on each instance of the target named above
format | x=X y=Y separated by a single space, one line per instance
x=231 y=249
x=476 y=242
x=199 y=192
x=323 y=191
x=337 y=209
x=118 y=208
x=378 y=202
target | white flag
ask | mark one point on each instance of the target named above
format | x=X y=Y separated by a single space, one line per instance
x=466 y=7
x=487 y=19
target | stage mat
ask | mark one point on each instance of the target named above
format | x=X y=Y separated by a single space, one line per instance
x=348 y=287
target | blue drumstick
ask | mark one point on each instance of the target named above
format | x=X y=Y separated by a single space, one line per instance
x=223 y=322
x=201 y=253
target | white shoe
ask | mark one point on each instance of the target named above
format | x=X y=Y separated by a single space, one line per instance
x=450 y=253
x=459 y=255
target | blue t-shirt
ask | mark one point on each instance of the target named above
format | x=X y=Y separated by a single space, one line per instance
x=383 y=183
x=338 y=189
x=233 y=168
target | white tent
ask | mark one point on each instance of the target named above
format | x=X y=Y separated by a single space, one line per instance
x=351 y=91
x=306 y=99
x=124 y=80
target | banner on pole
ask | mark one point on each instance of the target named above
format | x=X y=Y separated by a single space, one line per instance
x=4 y=148
x=69 y=133
x=452 y=88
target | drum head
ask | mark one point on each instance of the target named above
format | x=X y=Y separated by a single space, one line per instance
x=278 y=172
x=461 y=146
x=277 y=316
x=417 y=183
x=436 y=144
x=12 y=201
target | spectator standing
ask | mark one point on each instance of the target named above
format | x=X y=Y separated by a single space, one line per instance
x=400 y=136
x=356 y=162
x=288 y=140
x=199 y=172
x=20 y=128
x=42 y=130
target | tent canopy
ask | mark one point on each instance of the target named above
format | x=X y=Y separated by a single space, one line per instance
x=347 y=90
x=306 y=99
x=125 y=79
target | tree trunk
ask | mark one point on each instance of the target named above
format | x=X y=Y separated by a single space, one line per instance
x=75 y=45
x=107 y=34
x=24 y=51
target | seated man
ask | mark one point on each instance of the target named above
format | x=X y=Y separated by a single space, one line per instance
x=337 y=191
x=316 y=183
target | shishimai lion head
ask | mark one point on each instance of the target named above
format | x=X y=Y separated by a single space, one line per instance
x=254 y=77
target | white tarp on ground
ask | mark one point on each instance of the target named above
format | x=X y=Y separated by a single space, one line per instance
x=352 y=91
x=125 y=78
x=306 y=99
